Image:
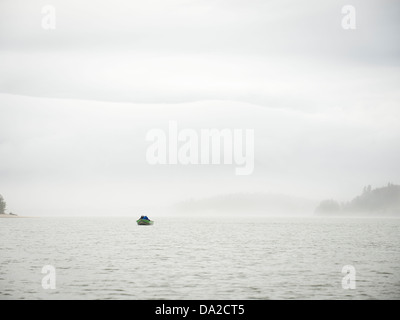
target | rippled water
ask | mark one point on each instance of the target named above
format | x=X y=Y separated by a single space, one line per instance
x=200 y=258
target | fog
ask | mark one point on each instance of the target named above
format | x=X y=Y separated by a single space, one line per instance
x=77 y=102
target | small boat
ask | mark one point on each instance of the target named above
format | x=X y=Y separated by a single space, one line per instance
x=145 y=222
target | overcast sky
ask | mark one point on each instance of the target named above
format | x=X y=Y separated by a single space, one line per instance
x=76 y=102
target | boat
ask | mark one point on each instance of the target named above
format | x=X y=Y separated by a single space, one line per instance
x=145 y=222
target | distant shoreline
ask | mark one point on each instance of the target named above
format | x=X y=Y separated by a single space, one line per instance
x=10 y=216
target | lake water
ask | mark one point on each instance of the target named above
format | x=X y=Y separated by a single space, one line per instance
x=200 y=258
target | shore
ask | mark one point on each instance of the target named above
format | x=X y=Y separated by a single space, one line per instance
x=9 y=216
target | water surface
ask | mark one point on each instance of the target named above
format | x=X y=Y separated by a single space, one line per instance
x=200 y=258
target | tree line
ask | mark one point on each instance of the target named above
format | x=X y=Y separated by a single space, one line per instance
x=384 y=200
x=2 y=205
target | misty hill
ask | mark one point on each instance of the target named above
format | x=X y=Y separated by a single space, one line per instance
x=379 y=201
x=248 y=203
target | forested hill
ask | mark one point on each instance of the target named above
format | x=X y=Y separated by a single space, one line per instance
x=379 y=201
x=240 y=203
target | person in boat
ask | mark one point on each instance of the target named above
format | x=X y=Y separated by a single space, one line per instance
x=146 y=218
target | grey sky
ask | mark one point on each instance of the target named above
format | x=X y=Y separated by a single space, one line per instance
x=323 y=101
